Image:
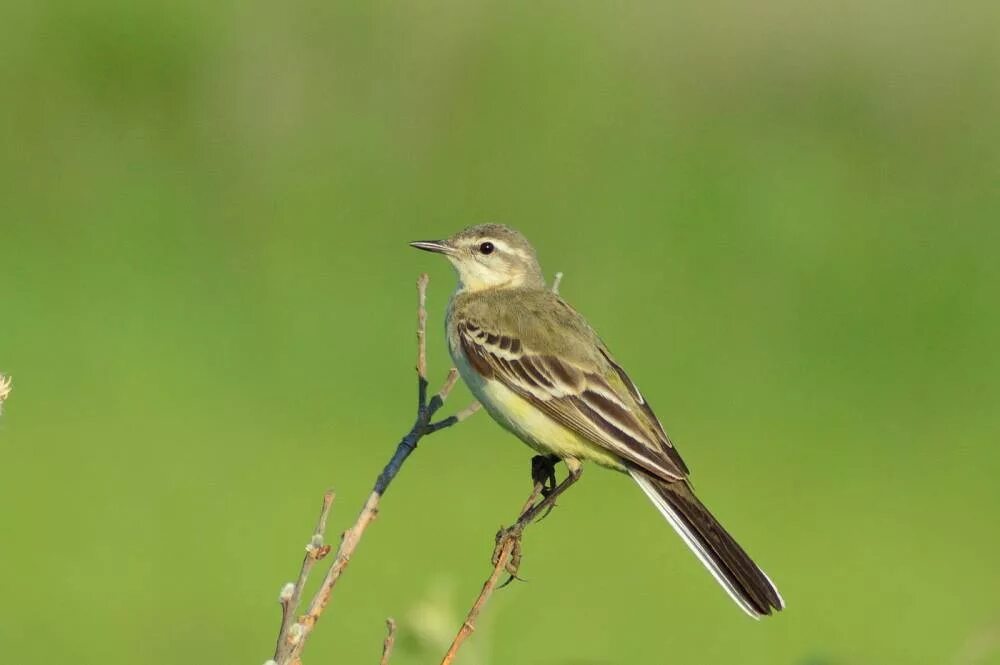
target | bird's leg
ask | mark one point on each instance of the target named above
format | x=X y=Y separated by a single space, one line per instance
x=543 y=471
x=511 y=536
x=543 y=474
x=549 y=500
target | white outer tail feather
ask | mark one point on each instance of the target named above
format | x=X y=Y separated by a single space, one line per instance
x=695 y=545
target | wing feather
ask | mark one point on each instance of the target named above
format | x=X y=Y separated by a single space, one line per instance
x=585 y=401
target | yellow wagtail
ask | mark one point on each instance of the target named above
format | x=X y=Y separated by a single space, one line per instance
x=542 y=372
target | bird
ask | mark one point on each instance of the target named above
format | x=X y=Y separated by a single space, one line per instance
x=542 y=372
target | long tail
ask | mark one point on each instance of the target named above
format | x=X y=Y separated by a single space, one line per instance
x=747 y=584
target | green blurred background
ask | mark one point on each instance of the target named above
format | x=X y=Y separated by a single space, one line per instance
x=784 y=218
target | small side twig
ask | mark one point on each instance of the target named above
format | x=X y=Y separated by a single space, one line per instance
x=291 y=593
x=292 y=638
x=556 y=282
x=390 y=641
x=503 y=556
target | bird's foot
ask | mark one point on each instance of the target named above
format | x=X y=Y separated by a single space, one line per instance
x=508 y=546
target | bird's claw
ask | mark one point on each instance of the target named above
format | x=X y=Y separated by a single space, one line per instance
x=547 y=512
x=511 y=578
x=509 y=536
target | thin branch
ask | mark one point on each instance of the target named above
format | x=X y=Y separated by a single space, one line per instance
x=506 y=548
x=390 y=641
x=556 y=282
x=422 y=325
x=291 y=593
x=292 y=641
x=507 y=553
x=467 y=411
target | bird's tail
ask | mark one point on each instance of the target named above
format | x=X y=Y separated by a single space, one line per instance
x=747 y=584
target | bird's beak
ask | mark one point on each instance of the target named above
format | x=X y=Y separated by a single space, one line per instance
x=438 y=246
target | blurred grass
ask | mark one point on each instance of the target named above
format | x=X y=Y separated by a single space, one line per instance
x=782 y=217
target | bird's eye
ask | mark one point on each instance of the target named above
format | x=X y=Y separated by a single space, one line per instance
x=486 y=248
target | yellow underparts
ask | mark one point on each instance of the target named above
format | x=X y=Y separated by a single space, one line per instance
x=535 y=428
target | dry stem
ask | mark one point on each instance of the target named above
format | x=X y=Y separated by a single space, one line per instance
x=293 y=634
x=503 y=556
x=291 y=594
x=390 y=641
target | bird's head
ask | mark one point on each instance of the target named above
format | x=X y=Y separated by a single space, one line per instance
x=489 y=256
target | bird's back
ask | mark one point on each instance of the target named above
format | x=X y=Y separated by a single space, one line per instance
x=539 y=318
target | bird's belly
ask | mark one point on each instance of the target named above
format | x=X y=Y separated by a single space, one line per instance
x=528 y=423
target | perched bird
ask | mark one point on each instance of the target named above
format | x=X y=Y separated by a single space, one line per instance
x=541 y=372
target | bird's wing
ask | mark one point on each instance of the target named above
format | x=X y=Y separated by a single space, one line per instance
x=600 y=403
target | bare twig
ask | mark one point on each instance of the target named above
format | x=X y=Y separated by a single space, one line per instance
x=467 y=411
x=390 y=641
x=422 y=325
x=556 y=282
x=292 y=640
x=291 y=593
x=505 y=551
x=507 y=554
x=5 y=388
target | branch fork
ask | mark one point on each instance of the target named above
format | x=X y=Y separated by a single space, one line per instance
x=295 y=629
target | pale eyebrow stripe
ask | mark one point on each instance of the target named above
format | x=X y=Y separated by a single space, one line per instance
x=504 y=247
